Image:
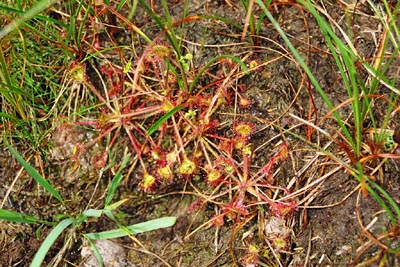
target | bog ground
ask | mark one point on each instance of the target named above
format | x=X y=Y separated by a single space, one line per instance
x=270 y=130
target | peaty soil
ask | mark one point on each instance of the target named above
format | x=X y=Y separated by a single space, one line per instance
x=333 y=225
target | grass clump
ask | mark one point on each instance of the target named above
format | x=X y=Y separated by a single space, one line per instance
x=32 y=57
x=362 y=91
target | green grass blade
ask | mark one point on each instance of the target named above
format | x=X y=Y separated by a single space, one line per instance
x=383 y=205
x=49 y=241
x=10 y=9
x=11 y=117
x=13 y=216
x=34 y=174
x=79 y=22
x=9 y=87
x=10 y=93
x=165 y=117
x=115 y=182
x=39 y=17
x=36 y=9
x=391 y=201
x=120 y=5
x=92 y=213
x=301 y=62
x=115 y=205
x=135 y=229
x=168 y=27
x=345 y=61
x=4 y=73
x=95 y=252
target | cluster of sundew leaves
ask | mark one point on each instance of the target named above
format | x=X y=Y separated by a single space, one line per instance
x=203 y=146
x=200 y=146
x=194 y=140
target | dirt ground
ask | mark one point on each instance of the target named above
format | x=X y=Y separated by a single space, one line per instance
x=325 y=229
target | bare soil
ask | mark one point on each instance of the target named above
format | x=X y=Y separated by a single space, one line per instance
x=324 y=231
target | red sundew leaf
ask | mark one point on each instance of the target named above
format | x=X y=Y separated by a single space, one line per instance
x=187 y=167
x=268 y=167
x=218 y=220
x=148 y=182
x=214 y=177
x=283 y=152
x=113 y=92
x=236 y=206
x=244 y=129
x=280 y=209
x=165 y=174
x=100 y=160
x=196 y=205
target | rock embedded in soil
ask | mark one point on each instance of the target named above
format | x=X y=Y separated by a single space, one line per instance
x=112 y=253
